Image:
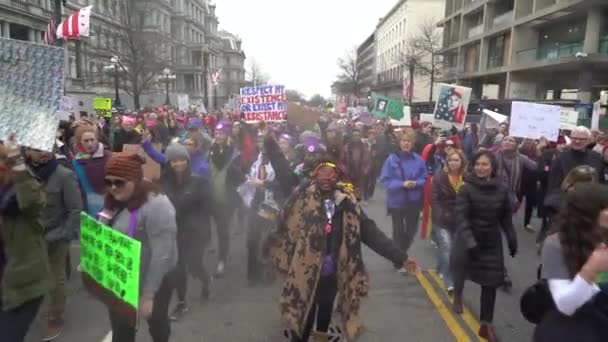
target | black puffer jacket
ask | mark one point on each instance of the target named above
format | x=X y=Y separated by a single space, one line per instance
x=192 y=201
x=443 y=201
x=483 y=210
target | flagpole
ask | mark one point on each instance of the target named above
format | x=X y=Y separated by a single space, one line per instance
x=57 y=6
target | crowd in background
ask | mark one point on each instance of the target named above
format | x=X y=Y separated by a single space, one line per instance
x=220 y=172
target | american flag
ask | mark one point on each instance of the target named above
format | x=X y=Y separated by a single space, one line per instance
x=445 y=106
x=75 y=25
x=51 y=30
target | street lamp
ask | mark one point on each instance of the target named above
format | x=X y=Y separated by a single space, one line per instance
x=116 y=63
x=167 y=78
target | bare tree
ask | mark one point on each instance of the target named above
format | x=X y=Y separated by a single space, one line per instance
x=426 y=43
x=410 y=59
x=349 y=79
x=255 y=73
x=142 y=50
x=294 y=96
x=317 y=101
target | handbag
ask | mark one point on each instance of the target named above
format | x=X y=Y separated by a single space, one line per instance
x=536 y=301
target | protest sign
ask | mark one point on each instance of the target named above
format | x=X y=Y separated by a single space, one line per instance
x=451 y=106
x=103 y=107
x=183 y=102
x=264 y=103
x=298 y=115
x=151 y=169
x=386 y=107
x=65 y=107
x=533 y=121
x=111 y=262
x=406 y=120
x=31 y=88
x=427 y=118
x=595 y=115
x=568 y=119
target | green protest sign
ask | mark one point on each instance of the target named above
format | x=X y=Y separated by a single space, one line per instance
x=386 y=107
x=111 y=259
x=100 y=103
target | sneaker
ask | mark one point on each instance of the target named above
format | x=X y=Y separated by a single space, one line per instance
x=450 y=290
x=53 y=331
x=219 y=271
x=402 y=271
x=180 y=310
x=530 y=229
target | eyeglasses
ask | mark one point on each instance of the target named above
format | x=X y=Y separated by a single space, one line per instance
x=114 y=183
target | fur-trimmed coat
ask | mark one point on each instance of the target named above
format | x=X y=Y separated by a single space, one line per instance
x=297 y=249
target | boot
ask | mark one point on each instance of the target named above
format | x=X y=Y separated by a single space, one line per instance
x=320 y=337
x=487 y=331
x=457 y=305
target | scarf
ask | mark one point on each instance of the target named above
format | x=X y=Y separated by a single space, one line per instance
x=509 y=171
x=44 y=171
x=456 y=182
x=297 y=248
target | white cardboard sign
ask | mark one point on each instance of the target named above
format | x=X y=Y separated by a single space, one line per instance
x=534 y=120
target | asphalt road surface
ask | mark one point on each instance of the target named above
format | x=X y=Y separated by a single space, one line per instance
x=411 y=308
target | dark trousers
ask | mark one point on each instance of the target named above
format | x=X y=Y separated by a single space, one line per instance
x=222 y=216
x=371 y=182
x=530 y=205
x=255 y=232
x=487 y=303
x=405 y=225
x=191 y=249
x=159 y=325
x=322 y=309
x=15 y=323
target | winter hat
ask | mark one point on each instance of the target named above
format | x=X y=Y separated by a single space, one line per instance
x=177 y=151
x=128 y=120
x=224 y=127
x=195 y=123
x=126 y=165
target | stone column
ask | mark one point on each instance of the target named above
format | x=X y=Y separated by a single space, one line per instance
x=585 y=83
x=6 y=29
x=592 y=32
x=31 y=35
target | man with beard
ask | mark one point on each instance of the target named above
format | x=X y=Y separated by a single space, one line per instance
x=355 y=161
x=61 y=223
x=317 y=248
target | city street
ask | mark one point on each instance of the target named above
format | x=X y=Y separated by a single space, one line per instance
x=412 y=308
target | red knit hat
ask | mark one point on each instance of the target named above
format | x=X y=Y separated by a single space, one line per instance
x=126 y=165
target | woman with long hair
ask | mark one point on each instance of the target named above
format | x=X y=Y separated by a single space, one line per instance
x=134 y=208
x=575 y=262
x=190 y=194
x=25 y=272
x=483 y=212
x=447 y=183
x=89 y=164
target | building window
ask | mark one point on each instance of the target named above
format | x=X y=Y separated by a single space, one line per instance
x=472 y=59
x=496 y=52
x=562 y=39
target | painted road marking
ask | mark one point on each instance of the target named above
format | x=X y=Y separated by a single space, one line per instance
x=468 y=318
x=445 y=312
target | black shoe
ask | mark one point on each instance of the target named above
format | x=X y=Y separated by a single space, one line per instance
x=179 y=311
x=507 y=285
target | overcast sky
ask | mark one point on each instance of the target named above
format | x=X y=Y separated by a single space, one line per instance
x=297 y=43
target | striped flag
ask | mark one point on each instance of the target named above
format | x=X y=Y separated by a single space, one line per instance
x=408 y=86
x=51 y=30
x=215 y=77
x=75 y=25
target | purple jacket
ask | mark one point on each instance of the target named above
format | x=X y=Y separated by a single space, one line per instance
x=94 y=168
x=397 y=169
x=198 y=163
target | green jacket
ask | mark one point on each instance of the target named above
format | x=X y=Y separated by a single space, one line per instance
x=27 y=274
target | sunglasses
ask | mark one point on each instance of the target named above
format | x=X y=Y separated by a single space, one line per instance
x=115 y=183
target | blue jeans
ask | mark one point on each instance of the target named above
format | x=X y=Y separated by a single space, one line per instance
x=443 y=239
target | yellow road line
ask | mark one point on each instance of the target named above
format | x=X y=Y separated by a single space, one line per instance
x=446 y=314
x=468 y=318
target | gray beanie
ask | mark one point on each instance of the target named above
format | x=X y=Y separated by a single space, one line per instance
x=177 y=151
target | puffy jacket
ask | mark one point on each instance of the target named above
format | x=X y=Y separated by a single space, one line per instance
x=27 y=274
x=61 y=216
x=397 y=169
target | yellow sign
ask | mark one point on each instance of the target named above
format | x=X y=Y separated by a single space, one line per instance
x=102 y=103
